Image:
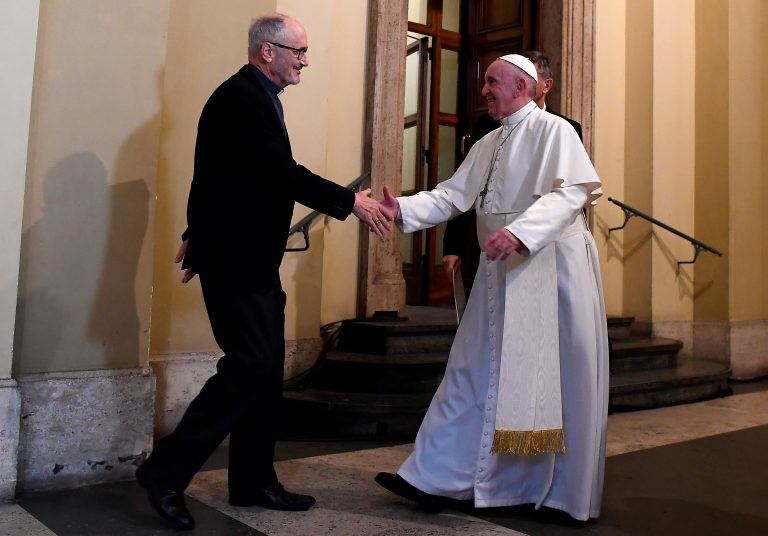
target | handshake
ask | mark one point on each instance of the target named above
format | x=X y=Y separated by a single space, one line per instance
x=376 y=214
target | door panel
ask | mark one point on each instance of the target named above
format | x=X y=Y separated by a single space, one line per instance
x=495 y=28
x=495 y=15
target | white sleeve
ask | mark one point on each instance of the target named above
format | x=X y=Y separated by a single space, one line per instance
x=548 y=217
x=425 y=209
x=449 y=198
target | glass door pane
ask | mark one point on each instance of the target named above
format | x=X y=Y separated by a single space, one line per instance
x=451 y=15
x=449 y=81
x=417 y=11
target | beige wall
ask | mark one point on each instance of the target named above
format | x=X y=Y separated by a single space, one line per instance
x=206 y=44
x=344 y=134
x=674 y=125
x=18 y=40
x=324 y=116
x=86 y=262
x=610 y=124
x=692 y=79
x=747 y=129
x=638 y=156
x=712 y=203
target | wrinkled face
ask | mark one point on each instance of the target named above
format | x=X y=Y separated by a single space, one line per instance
x=286 y=67
x=500 y=89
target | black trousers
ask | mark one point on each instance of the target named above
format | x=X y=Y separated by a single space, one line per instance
x=242 y=399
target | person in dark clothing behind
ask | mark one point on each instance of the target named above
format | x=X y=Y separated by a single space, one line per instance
x=240 y=205
x=460 y=246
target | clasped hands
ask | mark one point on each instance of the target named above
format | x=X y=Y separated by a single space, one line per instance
x=376 y=214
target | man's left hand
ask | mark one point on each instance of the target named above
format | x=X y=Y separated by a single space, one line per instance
x=502 y=244
x=188 y=273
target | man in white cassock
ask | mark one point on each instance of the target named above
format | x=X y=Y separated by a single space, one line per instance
x=520 y=416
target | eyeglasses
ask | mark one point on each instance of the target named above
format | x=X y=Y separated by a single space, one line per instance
x=300 y=53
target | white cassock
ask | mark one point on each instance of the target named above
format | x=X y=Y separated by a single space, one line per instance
x=537 y=178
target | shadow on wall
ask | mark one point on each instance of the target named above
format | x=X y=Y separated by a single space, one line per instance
x=77 y=307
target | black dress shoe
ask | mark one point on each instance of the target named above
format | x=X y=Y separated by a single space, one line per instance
x=166 y=502
x=274 y=497
x=397 y=485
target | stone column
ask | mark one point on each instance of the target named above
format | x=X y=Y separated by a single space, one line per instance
x=578 y=49
x=18 y=43
x=382 y=284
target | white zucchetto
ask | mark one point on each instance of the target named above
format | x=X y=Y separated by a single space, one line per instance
x=524 y=63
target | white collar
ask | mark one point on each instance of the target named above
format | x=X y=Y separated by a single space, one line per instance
x=513 y=119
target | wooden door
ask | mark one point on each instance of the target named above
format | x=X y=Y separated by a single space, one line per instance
x=494 y=28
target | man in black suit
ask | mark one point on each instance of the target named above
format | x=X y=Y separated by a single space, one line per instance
x=544 y=85
x=460 y=247
x=239 y=211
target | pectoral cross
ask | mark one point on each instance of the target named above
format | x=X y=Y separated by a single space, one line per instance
x=484 y=192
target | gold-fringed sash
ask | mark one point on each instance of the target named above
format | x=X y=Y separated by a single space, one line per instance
x=528 y=442
x=529 y=413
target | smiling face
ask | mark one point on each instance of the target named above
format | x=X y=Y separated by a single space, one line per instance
x=281 y=65
x=500 y=89
x=285 y=65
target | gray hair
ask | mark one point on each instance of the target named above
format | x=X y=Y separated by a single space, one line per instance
x=541 y=61
x=268 y=28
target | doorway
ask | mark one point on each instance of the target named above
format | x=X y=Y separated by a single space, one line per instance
x=450 y=43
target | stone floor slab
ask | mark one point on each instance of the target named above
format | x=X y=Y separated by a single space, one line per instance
x=349 y=502
x=630 y=432
x=14 y=521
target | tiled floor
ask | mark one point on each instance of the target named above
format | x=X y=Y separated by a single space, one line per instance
x=691 y=469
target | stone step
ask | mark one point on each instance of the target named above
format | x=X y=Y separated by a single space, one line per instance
x=644 y=353
x=620 y=327
x=376 y=373
x=397 y=336
x=690 y=380
x=325 y=415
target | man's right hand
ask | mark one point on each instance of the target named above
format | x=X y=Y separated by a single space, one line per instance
x=451 y=262
x=188 y=273
x=370 y=212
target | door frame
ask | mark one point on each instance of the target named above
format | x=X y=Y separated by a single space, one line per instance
x=569 y=40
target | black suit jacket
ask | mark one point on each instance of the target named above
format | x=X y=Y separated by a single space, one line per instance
x=244 y=187
x=575 y=124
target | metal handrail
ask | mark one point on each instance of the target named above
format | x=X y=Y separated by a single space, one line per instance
x=629 y=212
x=306 y=221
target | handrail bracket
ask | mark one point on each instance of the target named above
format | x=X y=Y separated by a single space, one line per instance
x=627 y=216
x=304 y=229
x=697 y=249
